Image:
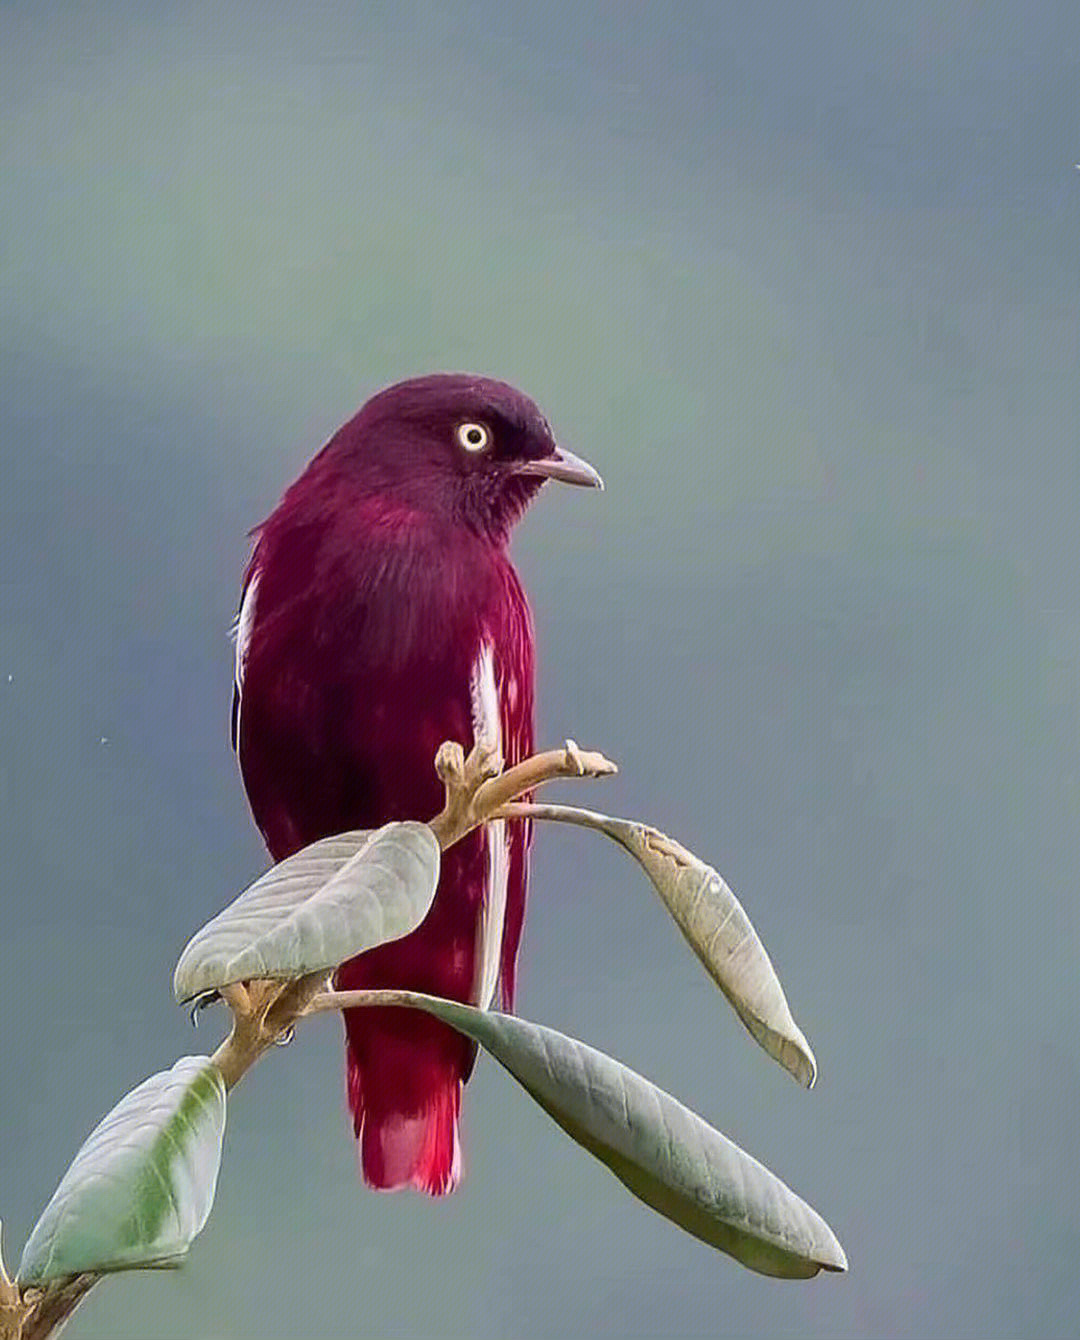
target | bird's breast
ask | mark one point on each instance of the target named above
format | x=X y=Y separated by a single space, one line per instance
x=352 y=675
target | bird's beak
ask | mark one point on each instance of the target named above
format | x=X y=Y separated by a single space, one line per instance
x=565 y=466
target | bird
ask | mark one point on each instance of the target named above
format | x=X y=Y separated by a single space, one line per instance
x=380 y=616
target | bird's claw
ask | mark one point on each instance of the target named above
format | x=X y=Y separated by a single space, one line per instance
x=202 y=1002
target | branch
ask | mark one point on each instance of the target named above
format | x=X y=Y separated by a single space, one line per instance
x=52 y=1307
x=14 y=1309
x=560 y=814
x=33 y=1314
x=263 y=1016
x=477 y=790
x=327 y=1001
x=264 y=1011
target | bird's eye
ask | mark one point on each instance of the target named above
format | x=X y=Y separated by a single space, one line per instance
x=473 y=437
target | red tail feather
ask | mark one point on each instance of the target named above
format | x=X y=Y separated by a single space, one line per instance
x=405 y=1096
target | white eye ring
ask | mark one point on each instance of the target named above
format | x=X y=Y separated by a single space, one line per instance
x=473 y=437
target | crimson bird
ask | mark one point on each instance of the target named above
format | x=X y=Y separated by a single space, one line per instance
x=380 y=616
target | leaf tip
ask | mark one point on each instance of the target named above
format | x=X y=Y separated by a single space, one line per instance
x=797 y=1056
x=838 y=1265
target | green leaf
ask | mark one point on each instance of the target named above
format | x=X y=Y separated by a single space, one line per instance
x=720 y=933
x=324 y=905
x=140 y=1189
x=716 y=928
x=664 y=1153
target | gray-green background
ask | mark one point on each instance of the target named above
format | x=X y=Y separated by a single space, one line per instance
x=801 y=280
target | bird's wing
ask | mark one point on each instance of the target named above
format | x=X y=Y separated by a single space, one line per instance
x=245 y=621
x=488 y=728
x=501 y=690
x=515 y=680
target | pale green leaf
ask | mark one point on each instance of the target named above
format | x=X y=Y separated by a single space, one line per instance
x=329 y=902
x=717 y=929
x=720 y=933
x=141 y=1187
x=664 y=1153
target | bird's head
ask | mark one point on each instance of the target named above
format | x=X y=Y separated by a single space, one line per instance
x=469 y=449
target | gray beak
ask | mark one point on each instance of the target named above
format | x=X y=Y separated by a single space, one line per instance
x=565 y=466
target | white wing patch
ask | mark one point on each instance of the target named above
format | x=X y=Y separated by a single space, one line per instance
x=245 y=622
x=487 y=725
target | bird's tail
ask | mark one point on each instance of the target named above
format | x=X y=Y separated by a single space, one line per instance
x=404 y=1077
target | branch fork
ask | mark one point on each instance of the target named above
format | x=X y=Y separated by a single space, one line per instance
x=264 y=1011
x=477 y=790
x=263 y=1014
x=34 y=1313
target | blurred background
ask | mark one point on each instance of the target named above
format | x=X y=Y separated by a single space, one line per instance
x=801 y=281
